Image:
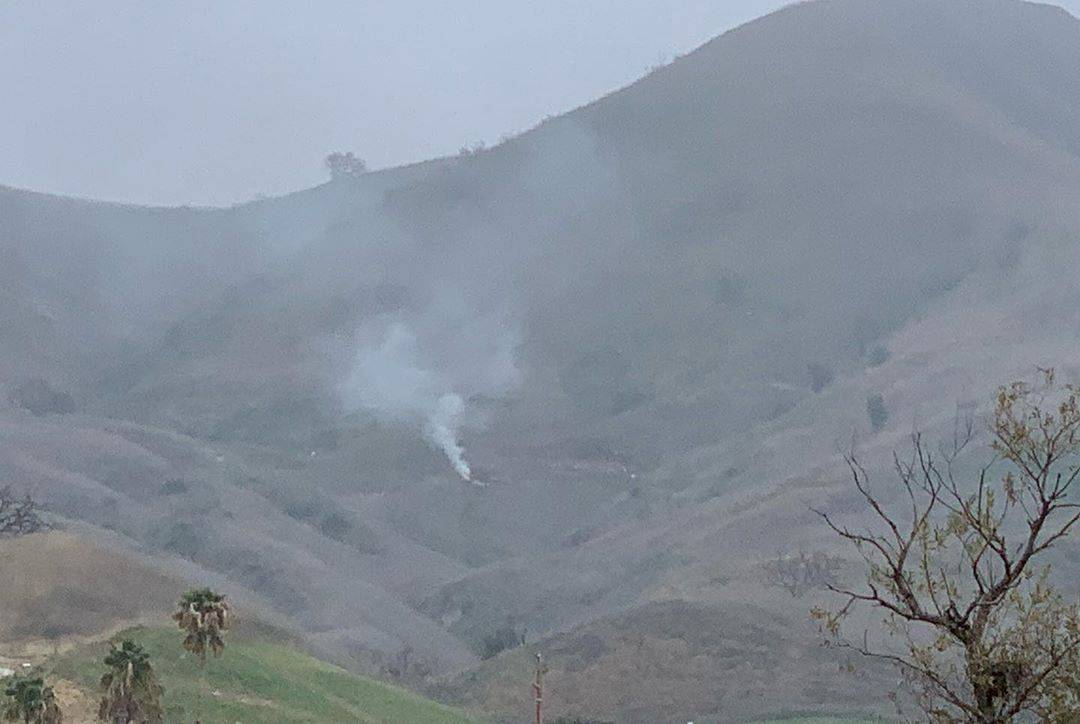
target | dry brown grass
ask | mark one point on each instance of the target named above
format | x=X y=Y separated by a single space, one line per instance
x=57 y=587
x=79 y=706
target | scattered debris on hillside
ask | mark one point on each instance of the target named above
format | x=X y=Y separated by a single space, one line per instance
x=800 y=573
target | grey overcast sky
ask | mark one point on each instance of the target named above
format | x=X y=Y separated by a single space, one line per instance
x=213 y=102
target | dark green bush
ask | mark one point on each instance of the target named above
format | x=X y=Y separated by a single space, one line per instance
x=500 y=640
x=875 y=409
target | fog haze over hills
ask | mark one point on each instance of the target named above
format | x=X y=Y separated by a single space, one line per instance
x=644 y=326
x=214 y=103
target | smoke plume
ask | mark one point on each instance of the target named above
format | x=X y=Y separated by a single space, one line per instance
x=441 y=428
x=391 y=380
x=426 y=379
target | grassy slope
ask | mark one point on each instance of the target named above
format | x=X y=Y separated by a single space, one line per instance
x=258 y=681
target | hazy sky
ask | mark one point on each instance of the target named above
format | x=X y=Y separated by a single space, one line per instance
x=214 y=102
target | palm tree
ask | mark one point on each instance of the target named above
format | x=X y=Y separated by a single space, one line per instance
x=31 y=701
x=204 y=615
x=132 y=692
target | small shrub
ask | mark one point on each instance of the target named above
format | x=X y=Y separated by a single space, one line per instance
x=184 y=540
x=579 y=537
x=40 y=398
x=335 y=526
x=404 y=666
x=476 y=148
x=176 y=486
x=500 y=640
x=877 y=356
x=303 y=510
x=878 y=414
x=820 y=376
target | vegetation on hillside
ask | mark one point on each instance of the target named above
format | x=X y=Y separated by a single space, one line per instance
x=131 y=689
x=259 y=682
x=19 y=515
x=959 y=571
x=204 y=616
x=30 y=701
x=41 y=398
x=345 y=164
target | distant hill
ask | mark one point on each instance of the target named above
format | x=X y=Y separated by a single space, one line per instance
x=662 y=313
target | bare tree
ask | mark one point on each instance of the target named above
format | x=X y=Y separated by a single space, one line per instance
x=959 y=576
x=19 y=516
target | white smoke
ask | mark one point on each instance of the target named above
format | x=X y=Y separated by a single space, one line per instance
x=442 y=429
x=397 y=378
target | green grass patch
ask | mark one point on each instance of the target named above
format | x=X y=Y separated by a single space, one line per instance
x=257 y=681
x=820 y=720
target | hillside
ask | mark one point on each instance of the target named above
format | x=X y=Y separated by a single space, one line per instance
x=53 y=590
x=64 y=596
x=687 y=661
x=647 y=326
x=255 y=681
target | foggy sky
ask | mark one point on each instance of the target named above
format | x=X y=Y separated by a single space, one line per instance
x=214 y=102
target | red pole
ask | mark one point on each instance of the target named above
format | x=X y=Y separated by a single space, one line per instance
x=538 y=689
